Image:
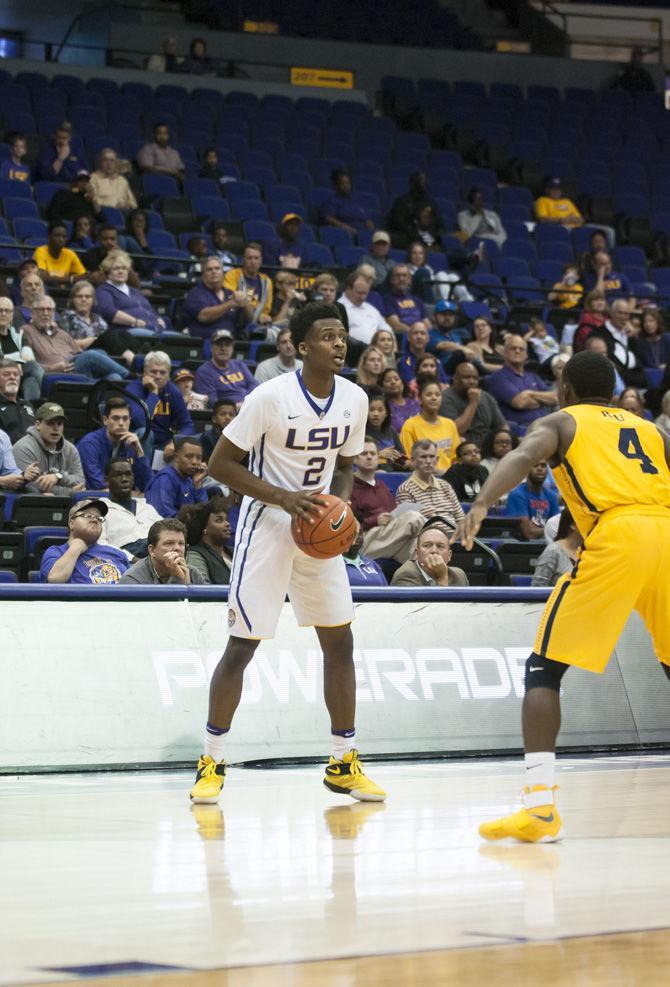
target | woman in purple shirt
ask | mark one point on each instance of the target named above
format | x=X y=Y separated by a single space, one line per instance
x=121 y=305
x=401 y=405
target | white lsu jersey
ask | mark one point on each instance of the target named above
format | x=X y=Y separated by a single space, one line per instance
x=293 y=443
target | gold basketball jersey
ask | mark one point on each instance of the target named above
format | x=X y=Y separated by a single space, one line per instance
x=615 y=460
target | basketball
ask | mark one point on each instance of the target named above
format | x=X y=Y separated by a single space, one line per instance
x=330 y=534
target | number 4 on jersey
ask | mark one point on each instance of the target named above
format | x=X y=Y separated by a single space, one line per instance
x=631 y=447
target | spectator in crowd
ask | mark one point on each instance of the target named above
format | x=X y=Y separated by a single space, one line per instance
x=120 y=304
x=58 y=162
x=483 y=348
x=663 y=420
x=417 y=343
x=14 y=168
x=427 y=366
x=26 y=267
x=210 y=167
x=82 y=235
x=220 y=248
x=385 y=535
x=14 y=348
x=378 y=258
x=633 y=77
x=339 y=209
x=430 y=285
x=158 y=157
x=554 y=207
x=467 y=475
x=602 y=277
x=402 y=218
x=166 y=562
x=652 y=345
x=429 y=424
x=89 y=329
x=561 y=555
x=167 y=60
x=364 y=319
x=128 y=519
x=12 y=479
x=427 y=228
x=208 y=533
x=82 y=560
x=367 y=271
x=521 y=395
x=223 y=412
x=285 y=362
x=631 y=400
x=209 y=306
x=184 y=379
x=60 y=469
x=180 y=482
x=286 y=300
x=57 y=352
x=107 y=240
x=57 y=263
x=199 y=251
x=197 y=62
x=593 y=316
x=325 y=288
x=567 y=293
x=379 y=428
x=543 y=346
x=135 y=242
x=401 y=308
x=361 y=570
x=290 y=247
x=431 y=494
x=254 y=285
x=430 y=565
x=16 y=415
x=479 y=221
x=533 y=502
x=31 y=289
x=70 y=204
x=401 y=404
x=619 y=335
x=474 y=411
x=370 y=367
x=445 y=338
x=223 y=376
x=165 y=404
x=108 y=185
x=114 y=440
x=496 y=444
x=384 y=340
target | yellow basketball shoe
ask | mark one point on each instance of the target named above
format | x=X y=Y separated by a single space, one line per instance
x=346 y=777
x=208 y=781
x=537 y=822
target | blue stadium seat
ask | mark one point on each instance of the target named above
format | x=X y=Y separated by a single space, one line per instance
x=237 y=191
x=248 y=209
x=160 y=240
x=113 y=216
x=347 y=255
x=201 y=187
x=18 y=190
x=511 y=268
x=318 y=254
x=525 y=290
x=332 y=236
x=258 y=229
x=551 y=232
x=160 y=186
x=630 y=257
x=279 y=209
x=549 y=272
x=209 y=208
x=20 y=208
x=523 y=249
x=553 y=250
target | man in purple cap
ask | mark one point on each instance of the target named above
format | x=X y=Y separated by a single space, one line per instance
x=82 y=560
x=223 y=376
x=554 y=207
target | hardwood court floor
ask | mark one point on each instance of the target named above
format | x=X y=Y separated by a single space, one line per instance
x=116 y=875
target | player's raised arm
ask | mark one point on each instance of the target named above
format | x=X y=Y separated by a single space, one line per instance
x=541 y=442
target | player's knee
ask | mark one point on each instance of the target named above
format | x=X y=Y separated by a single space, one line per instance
x=543 y=673
x=666 y=670
x=239 y=652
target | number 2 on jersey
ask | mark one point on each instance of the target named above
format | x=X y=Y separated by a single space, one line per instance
x=316 y=465
x=631 y=447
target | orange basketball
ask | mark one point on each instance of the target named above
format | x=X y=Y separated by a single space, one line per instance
x=331 y=532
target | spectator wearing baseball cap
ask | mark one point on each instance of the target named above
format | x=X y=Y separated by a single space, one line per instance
x=82 y=560
x=554 y=207
x=446 y=339
x=223 y=376
x=61 y=472
x=70 y=204
x=290 y=248
x=209 y=307
x=378 y=257
x=184 y=380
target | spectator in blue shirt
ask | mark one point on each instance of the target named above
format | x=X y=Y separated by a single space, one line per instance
x=113 y=439
x=181 y=482
x=82 y=560
x=602 y=277
x=209 y=306
x=522 y=395
x=14 y=168
x=222 y=376
x=167 y=409
x=402 y=309
x=361 y=571
x=417 y=340
x=58 y=162
x=533 y=502
x=340 y=209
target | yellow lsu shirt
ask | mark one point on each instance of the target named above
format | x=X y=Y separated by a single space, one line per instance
x=615 y=460
x=548 y=208
x=443 y=433
x=63 y=266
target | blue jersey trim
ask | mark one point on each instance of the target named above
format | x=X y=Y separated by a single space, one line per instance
x=244 y=561
x=319 y=412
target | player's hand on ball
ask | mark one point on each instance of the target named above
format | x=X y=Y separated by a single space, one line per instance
x=467 y=527
x=302 y=504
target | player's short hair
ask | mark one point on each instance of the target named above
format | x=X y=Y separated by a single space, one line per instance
x=58 y=224
x=253 y=245
x=165 y=524
x=434 y=524
x=113 y=461
x=591 y=375
x=113 y=404
x=303 y=320
x=369 y=438
x=187 y=440
x=223 y=402
x=422 y=444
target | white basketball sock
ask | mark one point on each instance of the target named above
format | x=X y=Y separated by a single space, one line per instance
x=540 y=766
x=215 y=742
x=342 y=743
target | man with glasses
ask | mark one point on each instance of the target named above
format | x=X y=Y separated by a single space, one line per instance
x=44 y=445
x=521 y=394
x=16 y=416
x=209 y=306
x=82 y=560
x=14 y=348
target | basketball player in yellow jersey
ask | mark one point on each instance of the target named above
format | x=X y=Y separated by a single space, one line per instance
x=612 y=469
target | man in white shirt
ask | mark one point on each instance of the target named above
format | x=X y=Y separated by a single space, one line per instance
x=128 y=519
x=283 y=363
x=617 y=333
x=364 y=319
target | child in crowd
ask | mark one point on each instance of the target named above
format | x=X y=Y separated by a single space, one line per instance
x=184 y=380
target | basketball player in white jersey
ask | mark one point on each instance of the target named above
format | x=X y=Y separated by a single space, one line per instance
x=301 y=432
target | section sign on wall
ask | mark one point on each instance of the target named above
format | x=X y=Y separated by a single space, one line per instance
x=322 y=78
